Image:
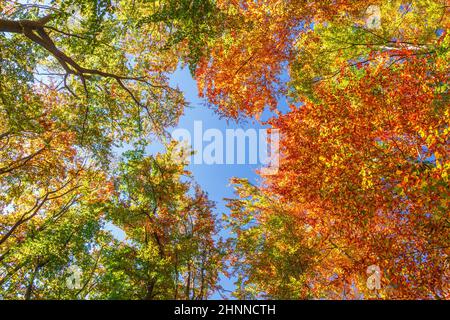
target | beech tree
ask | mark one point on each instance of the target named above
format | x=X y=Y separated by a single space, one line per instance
x=363 y=176
x=77 y=80
x=364 y=165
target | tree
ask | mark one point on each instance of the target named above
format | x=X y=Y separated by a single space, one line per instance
x=276 y=48
x=88 y=51
x=363 y=177
x=171 y=249
x=271 y=254
x=403 y=29
x=364 y=166
x=244 y=72
x=367 y=169
x=77 y=79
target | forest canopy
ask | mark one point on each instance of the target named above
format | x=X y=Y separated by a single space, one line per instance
x=364 y=167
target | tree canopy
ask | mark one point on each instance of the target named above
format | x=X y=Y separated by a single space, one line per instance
x=364 y=166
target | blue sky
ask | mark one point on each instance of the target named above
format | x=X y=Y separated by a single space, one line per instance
x=214 y=179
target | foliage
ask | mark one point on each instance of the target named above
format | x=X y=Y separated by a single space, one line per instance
x=170 y=252
x=364 y=163
x=364 y=170
x=79 y=78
